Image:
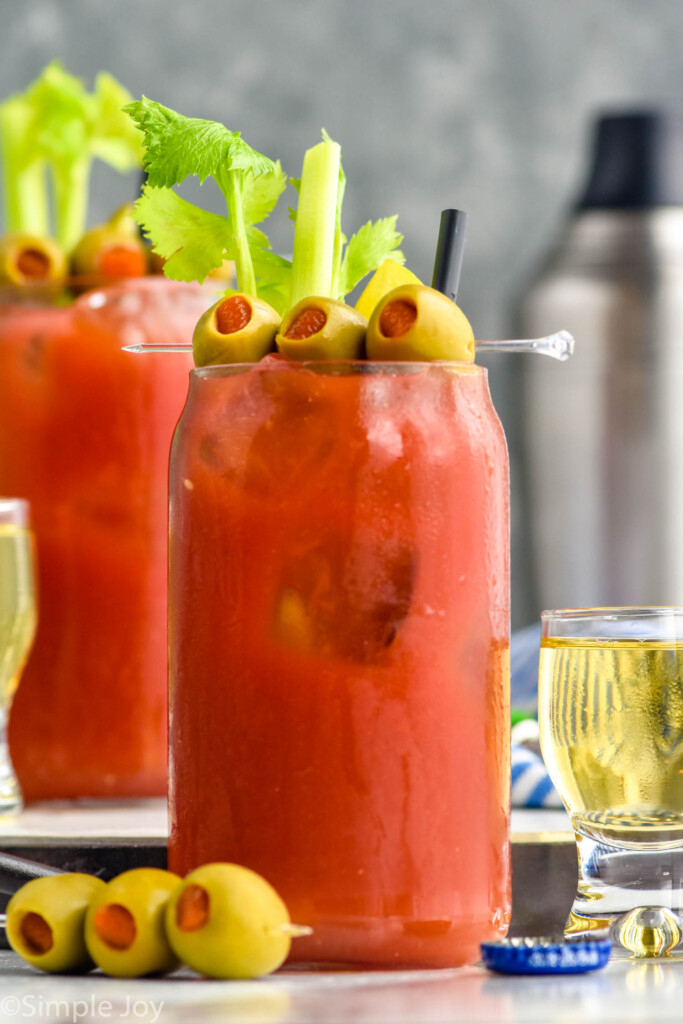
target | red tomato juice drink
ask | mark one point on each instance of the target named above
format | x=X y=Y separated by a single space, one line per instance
x=85 y=432
x=339 y=623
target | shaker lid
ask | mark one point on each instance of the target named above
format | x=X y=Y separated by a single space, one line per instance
x=637 y=161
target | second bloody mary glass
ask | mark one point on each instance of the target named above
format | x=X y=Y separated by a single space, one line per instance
x=339 y=620
x=85 y=432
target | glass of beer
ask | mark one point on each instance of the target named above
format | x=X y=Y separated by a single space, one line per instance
x=611 y=723
x=17 y=626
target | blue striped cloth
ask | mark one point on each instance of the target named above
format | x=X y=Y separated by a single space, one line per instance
x=531 y=784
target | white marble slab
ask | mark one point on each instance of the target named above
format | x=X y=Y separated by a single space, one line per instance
x=74 y=821
x=147 y=821
x=535 y=826
x=622 y=992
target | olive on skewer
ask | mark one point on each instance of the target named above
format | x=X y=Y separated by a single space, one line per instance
x=415 y=322
x=124 y=925
x=46 y=918
x=236 y=329
x=322 y=328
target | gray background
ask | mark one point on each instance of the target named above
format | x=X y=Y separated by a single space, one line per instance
x=480 y=104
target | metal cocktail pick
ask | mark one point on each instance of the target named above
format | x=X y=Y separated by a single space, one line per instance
x=558 y=346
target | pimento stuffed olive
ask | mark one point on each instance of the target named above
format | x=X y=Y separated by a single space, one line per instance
x=46 y=919
x=124 y=925
x=111 y=251
x=414 y=322
x=226 y=921
x=34 y=261
x=237 y=329
x=320 y=328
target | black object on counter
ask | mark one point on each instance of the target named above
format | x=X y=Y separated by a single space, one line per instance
x=637 y=162
x=16 y=871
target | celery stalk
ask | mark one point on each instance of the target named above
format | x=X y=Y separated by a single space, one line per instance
x=337 y=289
x=230 y=183
x=71 y=180
x=23 y=174
x=313 y=267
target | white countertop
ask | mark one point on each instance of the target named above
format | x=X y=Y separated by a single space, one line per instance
x=71 y=822
x=620 y=992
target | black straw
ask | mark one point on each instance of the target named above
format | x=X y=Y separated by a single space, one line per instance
x=449 y=252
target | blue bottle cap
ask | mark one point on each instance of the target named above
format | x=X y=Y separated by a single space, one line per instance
x=545 y=956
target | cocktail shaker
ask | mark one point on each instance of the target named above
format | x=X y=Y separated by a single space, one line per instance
x=602 y=435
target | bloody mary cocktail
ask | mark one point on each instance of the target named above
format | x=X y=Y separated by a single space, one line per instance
x=85 y=430
x=339 y=606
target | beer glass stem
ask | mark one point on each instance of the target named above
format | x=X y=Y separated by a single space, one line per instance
x=630 y=893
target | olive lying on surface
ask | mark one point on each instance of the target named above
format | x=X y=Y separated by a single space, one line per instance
x=239 y=329
x=226 y=921
x=124 y=925
x=45 y=921
x=222 y=920
x=414 y=322
x=320 y=328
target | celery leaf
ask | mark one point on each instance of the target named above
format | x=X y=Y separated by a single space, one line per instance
x=273 y=274
x=63 y=112
x=243 y=158
x=291 y=210
x=192 y=241
x=71 y=127
x=367 y=250
x=261 y=193
x=176 y=146
x=115 y=139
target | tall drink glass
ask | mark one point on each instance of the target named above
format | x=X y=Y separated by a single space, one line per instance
x=611 y=721
x=17 y=626
x=85 y=433
x=339 y=617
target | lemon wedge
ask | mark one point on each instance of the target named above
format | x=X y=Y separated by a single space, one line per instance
x=389 y=276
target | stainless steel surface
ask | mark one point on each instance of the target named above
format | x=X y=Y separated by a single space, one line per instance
x=603 y=434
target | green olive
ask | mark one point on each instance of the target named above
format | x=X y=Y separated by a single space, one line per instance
x=414 y=322
x=320 y=328
x=111 y=251
x=45 y=921
x=237 y=329
x=124 y=926
x=226 y=921
x=32 y=261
